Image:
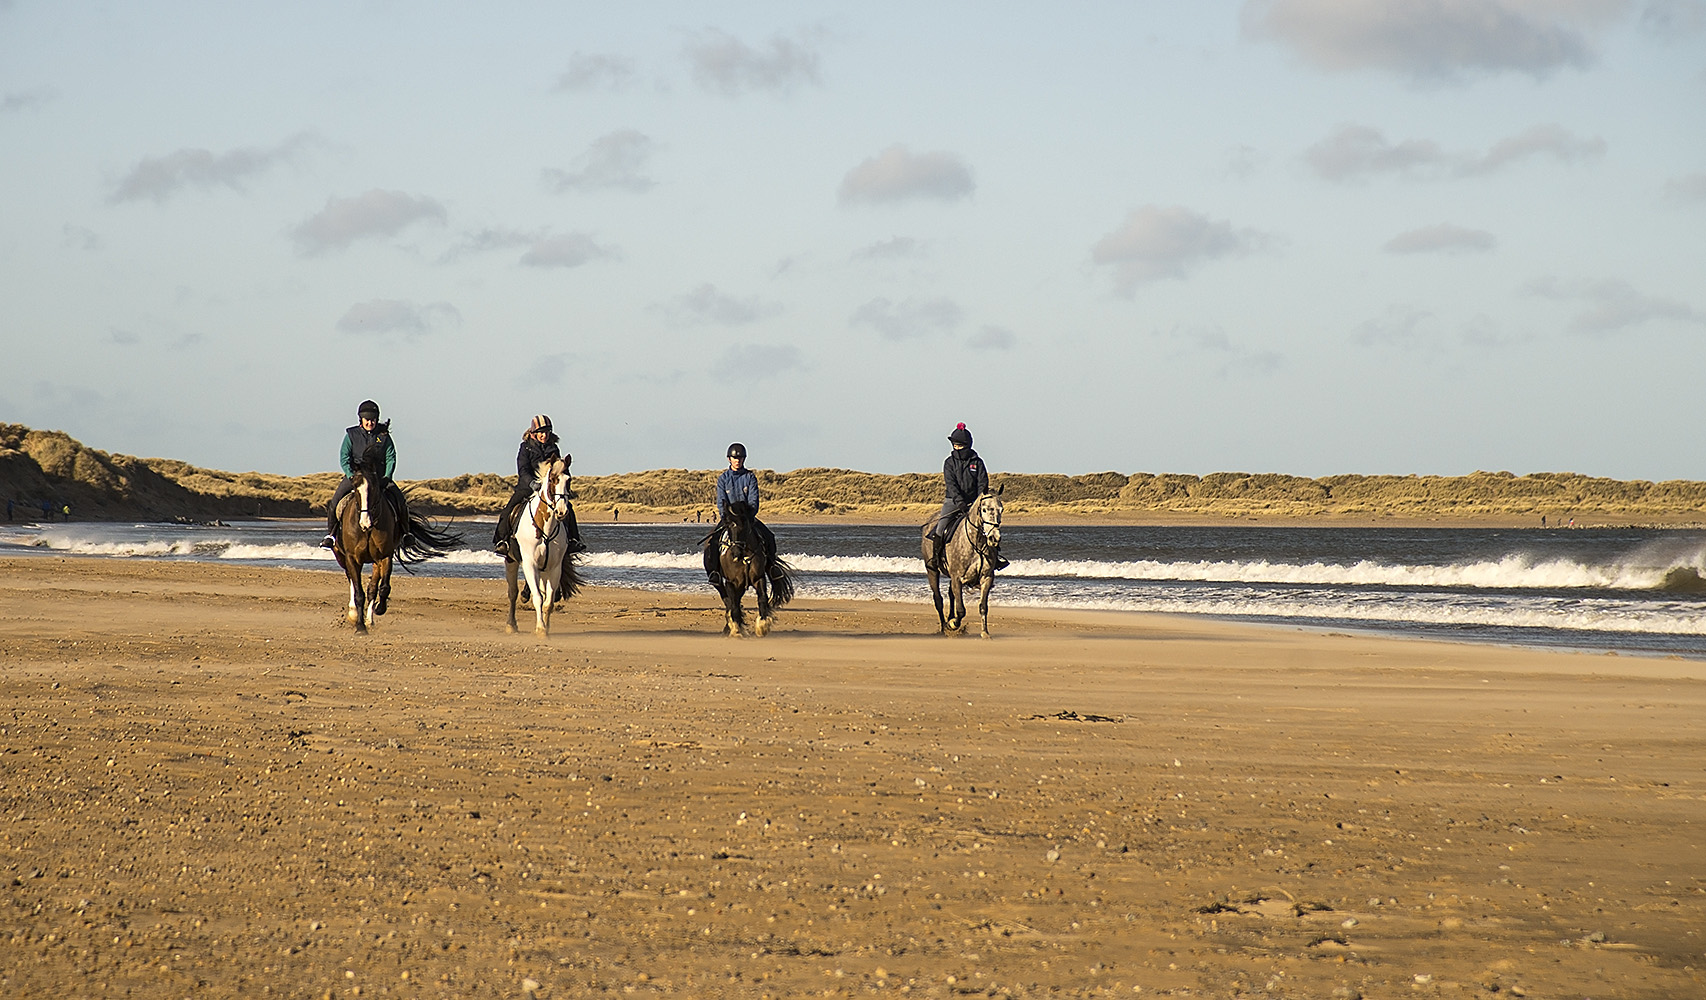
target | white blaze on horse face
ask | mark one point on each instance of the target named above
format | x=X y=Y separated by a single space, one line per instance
x=366 y=521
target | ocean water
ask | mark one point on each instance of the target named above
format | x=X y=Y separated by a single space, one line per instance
x=1631 y=590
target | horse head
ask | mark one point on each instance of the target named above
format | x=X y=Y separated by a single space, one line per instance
x=552 y=486
x=741 y=536
x=989 y=518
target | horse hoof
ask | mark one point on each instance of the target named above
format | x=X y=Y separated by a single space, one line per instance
x=542 y=633
x=762 y=628
x=985 y=635
x=510 y=629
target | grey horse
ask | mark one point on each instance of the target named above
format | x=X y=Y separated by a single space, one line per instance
x=968 y=558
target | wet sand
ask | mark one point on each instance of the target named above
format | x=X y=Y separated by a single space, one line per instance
x=212 y=787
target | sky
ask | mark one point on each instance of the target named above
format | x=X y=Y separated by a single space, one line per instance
x=1300 y=236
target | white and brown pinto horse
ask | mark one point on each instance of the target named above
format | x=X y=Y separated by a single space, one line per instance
x=542 y=548
x=372 y=533
x=968 y=558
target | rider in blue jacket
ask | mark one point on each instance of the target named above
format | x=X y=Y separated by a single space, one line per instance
x=739 y=484
x=357 y=439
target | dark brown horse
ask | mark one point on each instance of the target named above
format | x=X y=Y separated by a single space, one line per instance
x=371 y=532
x=968 y=558
x=736 y=558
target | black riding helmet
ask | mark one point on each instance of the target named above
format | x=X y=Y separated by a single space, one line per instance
x=367 y=406
x=959 y=435
x=737 y=450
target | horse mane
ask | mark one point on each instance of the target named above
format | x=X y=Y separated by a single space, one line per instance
x=373 y=458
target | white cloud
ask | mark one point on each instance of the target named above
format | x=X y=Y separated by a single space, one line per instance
x=374 y=213
x=1158 y=242
x=593 y=72
x=1673 y=19
x=1358 y=150
x=707 y=305
x=568 y=250
x=1233 y=359
x=613 y=161
x=725 y=64
x=1609 y=305
x=396 y=316
x=757 y=361
x=1689 y=187
x=1552 y=140
x=159 y=177
x=893 y=248
x=1401 y=326
x=23 y=100
x=897 y=174
x=488 y=240
x=907 y=320
x=993 y=338
x=1354 y=152
x=1443 y=238
x=1435 y=39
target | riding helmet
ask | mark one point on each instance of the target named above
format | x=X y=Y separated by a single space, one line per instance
x=737 y=450
x=540 y=423
x=959 y=435
x=367 y=406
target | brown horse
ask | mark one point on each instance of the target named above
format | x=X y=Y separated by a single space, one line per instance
x=969 y=557
x=370 y=532
x=736 y=558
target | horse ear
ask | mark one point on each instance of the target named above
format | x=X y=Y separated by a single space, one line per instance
x=998 y=489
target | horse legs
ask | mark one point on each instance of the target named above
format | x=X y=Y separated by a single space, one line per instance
x=936 y=593
x=733 y=594
x=762 y=587
x=956 y=603
x=512 y=569
x=544 y=599
x=357 y=598
x=373 y=592
x=983 y=598
x=384 y=597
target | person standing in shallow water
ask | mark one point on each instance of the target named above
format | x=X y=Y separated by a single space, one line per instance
x=539 y=444
x=964 y=479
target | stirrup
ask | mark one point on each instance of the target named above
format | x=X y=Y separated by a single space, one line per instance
x=576 y=545
x=328 y=542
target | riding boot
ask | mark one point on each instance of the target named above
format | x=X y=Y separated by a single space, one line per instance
x=573 y=529
x=996 y=560
x=938 y=548
x=331 y=538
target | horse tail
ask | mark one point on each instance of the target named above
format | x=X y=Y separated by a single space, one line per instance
x=571 y=583
x=781 y=582
x=427 y=541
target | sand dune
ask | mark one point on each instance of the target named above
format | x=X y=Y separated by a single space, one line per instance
x=50 y=464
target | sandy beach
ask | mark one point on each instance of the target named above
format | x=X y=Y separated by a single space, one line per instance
x=212 y=787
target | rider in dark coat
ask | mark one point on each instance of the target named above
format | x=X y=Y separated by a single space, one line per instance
x=964 y=479
x=539 y=444
x=357 y=440
x=739 y=484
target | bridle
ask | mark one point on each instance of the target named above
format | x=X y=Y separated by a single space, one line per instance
x=553 y=505
x=988 y=532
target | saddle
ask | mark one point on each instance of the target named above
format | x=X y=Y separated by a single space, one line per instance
x=398 y=510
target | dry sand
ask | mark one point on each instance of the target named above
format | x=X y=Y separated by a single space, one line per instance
x=214 y=788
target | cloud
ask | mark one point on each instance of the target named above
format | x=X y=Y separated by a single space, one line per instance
x=1243 y=162
x=907 y=320
x=617 y=160
x=1443 y=238
x=78 y=238
x=1551 y=140
x=1689 y=187
x=893 y=248
x=758 y=361
x=396 y=316
x=725 y=64
x=1354 y=152
x=24 y=100
x=375 y=213
x=1212 y=341
x=157 y=178
x=1673 y=19
x=1401 y=326
x=124 y=337
x=896 y=174
x=1359 y=150
x=707 y=305
x=993 y=338
x=1158 y=242
x=596 y=72
x=1434 y=39
x=1610 y=305
x=488 y=240
x=568 y=250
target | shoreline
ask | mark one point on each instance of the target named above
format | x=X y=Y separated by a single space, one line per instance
x=212 y=785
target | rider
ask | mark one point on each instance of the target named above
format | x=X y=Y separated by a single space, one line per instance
x=964 y=479
x=738 y=484
x=357 y=440
x=539 y=444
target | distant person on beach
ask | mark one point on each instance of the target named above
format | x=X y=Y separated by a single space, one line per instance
x=8 y=510
x=66 y=510
x=964 y=479
x=739 y=484
x=357 y=440
x=47 y=510
x=539 y=444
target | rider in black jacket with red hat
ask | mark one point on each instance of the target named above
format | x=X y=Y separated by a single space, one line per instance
x=964 y=479
x=539 y=444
